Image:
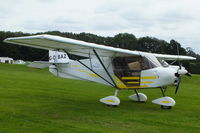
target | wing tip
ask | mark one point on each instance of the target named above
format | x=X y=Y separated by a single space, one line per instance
x=193 y=58
x=42 y=36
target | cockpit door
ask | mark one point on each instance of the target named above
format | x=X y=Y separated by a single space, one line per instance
x=127 y=71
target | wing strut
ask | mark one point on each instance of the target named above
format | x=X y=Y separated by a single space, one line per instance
x=90 y=69
x=104 y=68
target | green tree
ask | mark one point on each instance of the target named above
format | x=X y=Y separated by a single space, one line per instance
x=125 y=40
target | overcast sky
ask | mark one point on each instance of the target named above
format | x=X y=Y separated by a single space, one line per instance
x=163 y=19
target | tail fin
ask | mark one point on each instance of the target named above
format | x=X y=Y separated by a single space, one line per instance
x=58 y=57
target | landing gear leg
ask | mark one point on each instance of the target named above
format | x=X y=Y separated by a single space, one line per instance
x=116 y=92
x=163 y=89
x=138 y=97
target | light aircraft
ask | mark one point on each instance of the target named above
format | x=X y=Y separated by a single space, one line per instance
x=120 y=68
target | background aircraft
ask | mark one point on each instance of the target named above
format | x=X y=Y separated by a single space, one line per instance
x=119 y=68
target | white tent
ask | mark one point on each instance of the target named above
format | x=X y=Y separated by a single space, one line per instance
x=6 y=60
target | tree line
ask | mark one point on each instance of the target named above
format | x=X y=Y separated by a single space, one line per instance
x=121 y=40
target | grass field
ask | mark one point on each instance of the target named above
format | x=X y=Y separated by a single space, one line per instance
x=34 y=101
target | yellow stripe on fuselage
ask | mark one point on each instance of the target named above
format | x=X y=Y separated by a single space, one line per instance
x=145 y=82
x=136 y=87
x=134 y=78
x=91 y=74
x=121 y=85
x=130 y=78
x=149 y=77
x=74 y=65
x=133 y=82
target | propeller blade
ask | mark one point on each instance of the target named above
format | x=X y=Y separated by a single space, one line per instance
x=177 y=86
x=189 y=74
x=180 y=64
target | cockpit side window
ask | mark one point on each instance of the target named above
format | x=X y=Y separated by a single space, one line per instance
x=130 y=66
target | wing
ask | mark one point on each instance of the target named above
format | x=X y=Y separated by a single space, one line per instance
x=81 y=48
x=173 y=57
x=51 y=42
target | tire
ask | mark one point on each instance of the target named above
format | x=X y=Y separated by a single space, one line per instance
x=166 y=107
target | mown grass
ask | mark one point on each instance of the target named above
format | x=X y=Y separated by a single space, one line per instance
x=34 y=101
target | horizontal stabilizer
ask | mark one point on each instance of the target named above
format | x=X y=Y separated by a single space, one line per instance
x=39 y=64
x=42 y=64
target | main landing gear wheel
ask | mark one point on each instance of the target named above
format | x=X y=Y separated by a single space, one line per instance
x=111 y=101
x=139 y=97
x=112 y=105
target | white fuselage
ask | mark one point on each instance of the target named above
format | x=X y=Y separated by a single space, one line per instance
x=155 y=77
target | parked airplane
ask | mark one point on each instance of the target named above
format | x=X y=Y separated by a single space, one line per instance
x=116 y=67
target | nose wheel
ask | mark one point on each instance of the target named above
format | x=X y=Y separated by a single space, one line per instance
x=165 y=107
x=165 y=102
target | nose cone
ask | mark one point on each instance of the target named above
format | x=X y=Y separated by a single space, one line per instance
x=182 y=71
x=179 y=70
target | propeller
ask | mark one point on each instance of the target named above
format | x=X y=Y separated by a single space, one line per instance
x=181 y=71
x=189 y=74
x=178 y=73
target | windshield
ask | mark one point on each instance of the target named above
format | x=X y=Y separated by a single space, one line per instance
x=151 y=58
x=164 y=63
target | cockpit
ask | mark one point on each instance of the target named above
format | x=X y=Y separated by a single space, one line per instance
x=133 y=65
